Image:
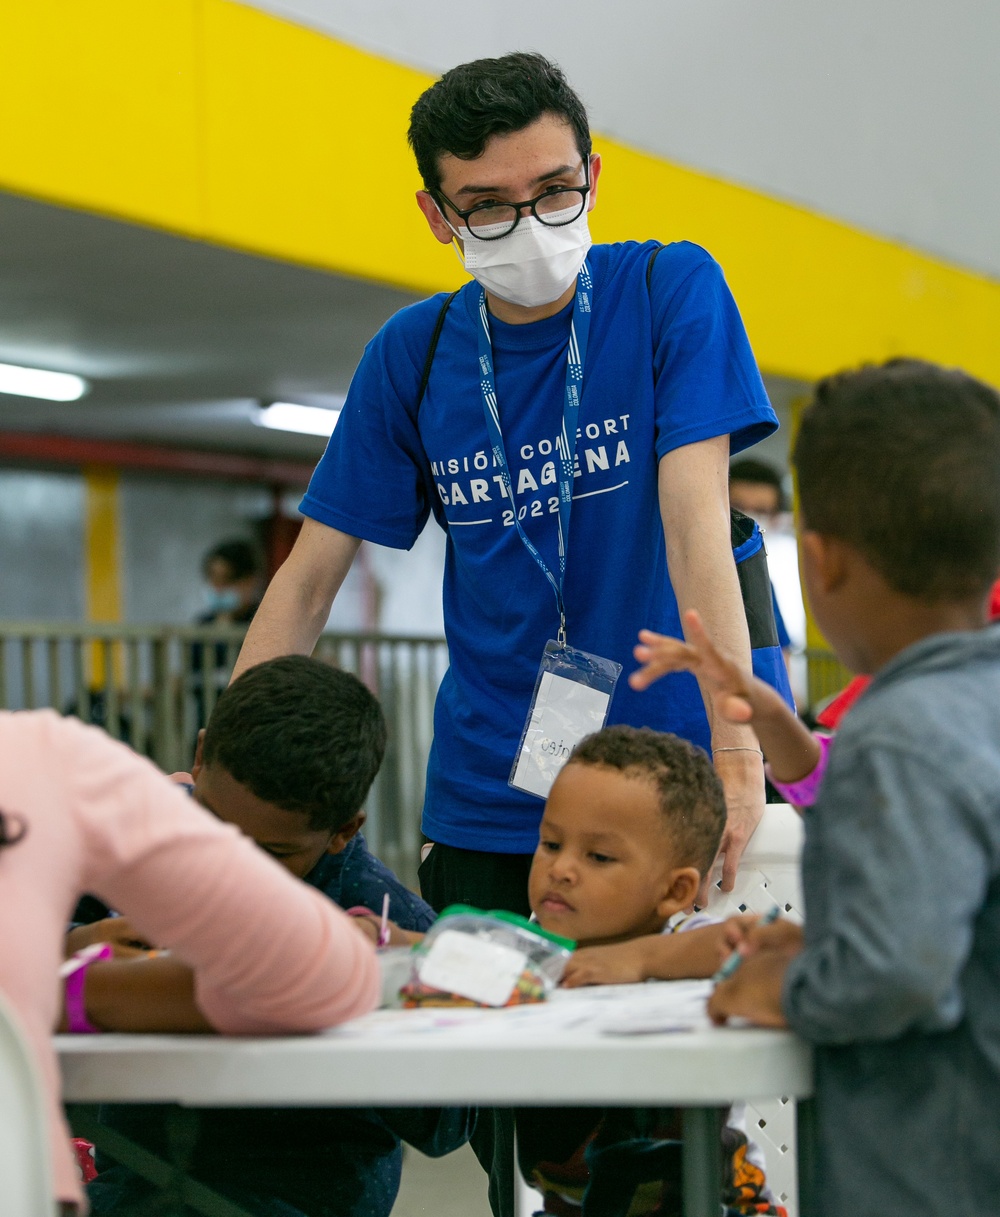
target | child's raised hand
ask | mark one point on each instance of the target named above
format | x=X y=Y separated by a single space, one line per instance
x=619 y=963
x=731 y=688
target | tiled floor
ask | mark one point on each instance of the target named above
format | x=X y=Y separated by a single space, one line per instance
x=454 y=1186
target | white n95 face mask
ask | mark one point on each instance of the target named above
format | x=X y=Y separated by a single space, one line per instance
x=533 y=266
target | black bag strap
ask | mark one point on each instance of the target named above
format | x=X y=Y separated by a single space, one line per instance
x=435 y=338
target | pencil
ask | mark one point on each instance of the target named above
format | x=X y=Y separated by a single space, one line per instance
x=736 y=957
x=383 y=933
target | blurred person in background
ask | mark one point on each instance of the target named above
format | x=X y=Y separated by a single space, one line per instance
x=234 y=585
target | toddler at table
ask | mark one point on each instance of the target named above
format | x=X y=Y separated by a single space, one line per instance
x=631 y=825
x=896 y=978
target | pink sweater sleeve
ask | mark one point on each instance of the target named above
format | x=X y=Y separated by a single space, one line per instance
x=270 y=953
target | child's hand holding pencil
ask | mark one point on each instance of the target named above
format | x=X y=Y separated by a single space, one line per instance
x=749 y=980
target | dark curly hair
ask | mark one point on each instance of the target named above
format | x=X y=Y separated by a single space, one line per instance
x=300 y=734
x=900 y=461
x=487 y=97
x=240 y=556
x=689 y=790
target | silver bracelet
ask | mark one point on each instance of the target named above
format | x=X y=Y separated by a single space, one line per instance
x=740 y=749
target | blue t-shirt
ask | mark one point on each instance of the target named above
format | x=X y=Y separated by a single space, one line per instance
x=388 y=466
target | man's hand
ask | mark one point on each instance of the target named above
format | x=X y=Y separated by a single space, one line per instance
x=754 y=990
x=117 y=931
x=734 y=694
x=620 y=963
x=742 y=776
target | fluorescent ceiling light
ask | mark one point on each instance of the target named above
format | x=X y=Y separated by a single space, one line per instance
x=307 y=420
x=33 y=382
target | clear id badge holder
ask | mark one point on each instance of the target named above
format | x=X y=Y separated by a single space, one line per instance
x=571 y=699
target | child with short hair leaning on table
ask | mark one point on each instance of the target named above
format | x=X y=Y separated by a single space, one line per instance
x=253 y=951
x=631 y=825
x=288 y=757
x=896 y=977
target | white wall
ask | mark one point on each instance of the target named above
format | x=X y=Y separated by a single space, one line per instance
x=883 y=113
x=41 y=546
x=167 y=525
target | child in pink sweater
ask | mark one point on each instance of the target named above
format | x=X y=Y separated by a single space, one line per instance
x=82 y=813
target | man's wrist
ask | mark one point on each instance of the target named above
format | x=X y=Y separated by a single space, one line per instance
x=738 y=761
x=733 y=735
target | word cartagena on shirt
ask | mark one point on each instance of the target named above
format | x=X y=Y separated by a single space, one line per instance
x=389 y=465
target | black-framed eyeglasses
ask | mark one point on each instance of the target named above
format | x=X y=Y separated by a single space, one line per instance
x=556 y=207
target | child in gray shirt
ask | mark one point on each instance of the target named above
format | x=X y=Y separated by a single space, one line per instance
x=896 y=978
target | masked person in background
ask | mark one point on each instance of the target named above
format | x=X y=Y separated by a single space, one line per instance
x=232 y=573
x=567 y=417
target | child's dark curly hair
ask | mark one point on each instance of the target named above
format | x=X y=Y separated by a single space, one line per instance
x=689 y=790
x=300 y=734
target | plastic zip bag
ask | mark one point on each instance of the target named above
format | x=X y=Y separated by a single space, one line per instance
x=475 y=958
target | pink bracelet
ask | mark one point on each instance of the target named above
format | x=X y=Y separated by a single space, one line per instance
x=74 y=972
x=803 y=792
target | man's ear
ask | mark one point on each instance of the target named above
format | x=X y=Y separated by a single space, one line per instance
x=434 y=218
x=346 y=833
x=595 y=173
x=826 y=559
x=199 y=760
x=682 y=887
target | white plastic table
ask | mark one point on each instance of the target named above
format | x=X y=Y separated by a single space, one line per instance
x=478 y=1062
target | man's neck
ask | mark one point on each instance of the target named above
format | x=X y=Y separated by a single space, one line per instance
x=519 y=314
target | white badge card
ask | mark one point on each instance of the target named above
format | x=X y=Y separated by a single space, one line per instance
x=572 y=698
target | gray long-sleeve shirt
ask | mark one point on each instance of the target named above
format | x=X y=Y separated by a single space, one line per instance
x=899 y=982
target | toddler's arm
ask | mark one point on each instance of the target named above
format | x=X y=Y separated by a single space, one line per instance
x=684 y=956
x=791 y=750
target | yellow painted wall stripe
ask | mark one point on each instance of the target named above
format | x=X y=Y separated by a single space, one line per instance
x=224 y=123
x=102 y=542
x=102 y=551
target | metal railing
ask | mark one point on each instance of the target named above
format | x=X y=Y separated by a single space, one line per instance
x=154 y=686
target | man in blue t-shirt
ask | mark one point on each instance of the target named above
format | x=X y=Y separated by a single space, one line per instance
x=566 y=378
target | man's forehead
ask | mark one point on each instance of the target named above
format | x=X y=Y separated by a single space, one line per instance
x=543 y=148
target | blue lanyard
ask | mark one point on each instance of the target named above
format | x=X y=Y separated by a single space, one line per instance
x=576 y=354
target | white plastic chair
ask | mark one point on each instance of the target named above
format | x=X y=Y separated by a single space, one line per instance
x=768 y=875
x=25 y=1173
